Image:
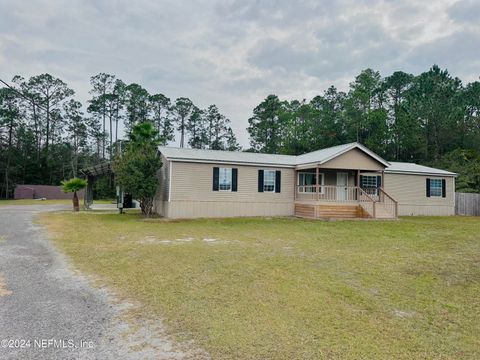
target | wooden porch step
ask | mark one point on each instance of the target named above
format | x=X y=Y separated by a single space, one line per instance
x=327 y=211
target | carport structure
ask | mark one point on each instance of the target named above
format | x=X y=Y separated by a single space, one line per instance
x=92 y=173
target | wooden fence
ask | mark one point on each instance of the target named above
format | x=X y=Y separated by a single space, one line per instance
x=467 y=204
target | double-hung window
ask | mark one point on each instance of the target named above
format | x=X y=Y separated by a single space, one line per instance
x=225 y=179
x=269 y=181
x=368 y=181
x=436 y=187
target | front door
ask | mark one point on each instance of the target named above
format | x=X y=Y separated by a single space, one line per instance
x=342 y=184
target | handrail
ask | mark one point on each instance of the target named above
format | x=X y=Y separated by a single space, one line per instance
x=363 y=203
x=392 y=200
x=388 y=195
x=363 y=192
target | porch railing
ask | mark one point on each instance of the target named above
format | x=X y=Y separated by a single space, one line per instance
x=327 y=193
x=373 y=192
x=367 y=202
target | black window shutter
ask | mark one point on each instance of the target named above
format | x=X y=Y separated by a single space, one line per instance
x=234 y=179
x=278 y=180
x=361 y=181
x=444 y=190
x=379 y=181
x=428 y=187
x=260 y=180
x=215 y=178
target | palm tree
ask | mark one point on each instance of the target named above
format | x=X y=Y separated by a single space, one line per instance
x=74 y=185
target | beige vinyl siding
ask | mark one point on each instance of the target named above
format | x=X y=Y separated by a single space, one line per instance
x=192 y=193
x=193 y=181
x=410 y=192
x=330 y=176
x=354 y=159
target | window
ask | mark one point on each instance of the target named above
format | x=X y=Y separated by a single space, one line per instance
x=368 y=181
x=225 y=179
x=436 y=187
x=308 y=180
x=269 y=181
x=370 y=184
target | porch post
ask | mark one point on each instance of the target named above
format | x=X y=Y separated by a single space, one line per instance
x=358 y=184
x=383 y=185
x=317 y=182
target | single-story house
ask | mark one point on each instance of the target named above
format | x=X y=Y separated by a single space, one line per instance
x=344 y=181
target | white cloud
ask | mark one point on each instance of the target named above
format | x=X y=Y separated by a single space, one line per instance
x=235 y=53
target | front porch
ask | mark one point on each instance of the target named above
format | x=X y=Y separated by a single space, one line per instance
x=342 y=193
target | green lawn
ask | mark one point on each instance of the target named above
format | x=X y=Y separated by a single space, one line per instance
x=271 y=288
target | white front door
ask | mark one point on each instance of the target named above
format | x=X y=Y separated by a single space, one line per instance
x=342 y=183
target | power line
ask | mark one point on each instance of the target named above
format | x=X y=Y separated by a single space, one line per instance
x=23 y=95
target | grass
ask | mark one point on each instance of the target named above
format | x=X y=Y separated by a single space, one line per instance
x=47 y=202
x=279 y=288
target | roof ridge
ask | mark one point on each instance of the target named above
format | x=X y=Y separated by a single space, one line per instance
x=319 y=156
x=259 y=153
x=223 y=151
x=331 y=147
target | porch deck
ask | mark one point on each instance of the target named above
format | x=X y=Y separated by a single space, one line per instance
x=325 y=201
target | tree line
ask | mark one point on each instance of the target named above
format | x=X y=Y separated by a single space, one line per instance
x=431 y=119
x=46 y=135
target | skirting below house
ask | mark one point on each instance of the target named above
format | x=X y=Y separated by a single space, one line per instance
x=425 y=210
x=214 y=209
x=198 y=209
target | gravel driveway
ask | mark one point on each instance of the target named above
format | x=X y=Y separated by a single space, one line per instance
x=47 y=311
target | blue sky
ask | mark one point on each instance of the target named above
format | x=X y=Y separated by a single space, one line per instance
x=235 y=53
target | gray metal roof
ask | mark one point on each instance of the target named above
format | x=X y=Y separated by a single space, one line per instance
x=411 y=168
x=315 y=157
x=96 y=170
x=218 y=156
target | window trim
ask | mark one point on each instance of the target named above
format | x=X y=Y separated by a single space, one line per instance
x=231 y=179
x=274 y=180
x=322 y=180
x=432 y=180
